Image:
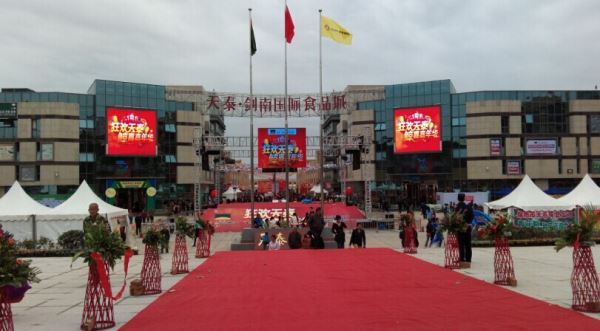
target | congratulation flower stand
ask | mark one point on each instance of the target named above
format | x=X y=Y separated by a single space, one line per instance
x=180 y=256
x=451 y=257
x=584 y=281
x=150 y=276
x=504 y=272
x=409 y=240
x=203 y=244
x=97 y=308
x=6 y=321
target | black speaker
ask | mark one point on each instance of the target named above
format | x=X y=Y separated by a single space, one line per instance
x=355 y=160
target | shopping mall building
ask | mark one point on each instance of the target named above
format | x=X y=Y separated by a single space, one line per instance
x=487 y=140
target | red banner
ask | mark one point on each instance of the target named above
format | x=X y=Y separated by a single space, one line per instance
x=271 y=148
x=103 y=274
x=417 y=130
x=264 y=186
x=130 y=132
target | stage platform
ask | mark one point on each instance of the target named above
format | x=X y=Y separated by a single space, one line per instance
x=350 y=289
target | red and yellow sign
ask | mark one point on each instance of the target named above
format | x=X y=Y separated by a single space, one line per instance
x=130 y=132
x=417 y=130
x=271 y=148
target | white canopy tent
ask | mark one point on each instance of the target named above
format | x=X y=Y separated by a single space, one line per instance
x=69 y=215
x=584 y=194
x=317 y=189
x=17 y=212
x=231 y=193
x=527 y=196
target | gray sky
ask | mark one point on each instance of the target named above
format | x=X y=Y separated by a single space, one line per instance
x=480 y=45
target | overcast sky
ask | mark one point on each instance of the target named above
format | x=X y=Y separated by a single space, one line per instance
x=479 y=45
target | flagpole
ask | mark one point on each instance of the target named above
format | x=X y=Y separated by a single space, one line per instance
x=251 y=127
x=285 y=107
x=321 y=175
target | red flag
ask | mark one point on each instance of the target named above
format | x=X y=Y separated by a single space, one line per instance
x=289 y=26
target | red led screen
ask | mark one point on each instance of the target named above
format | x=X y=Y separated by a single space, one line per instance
x=417 y=130
x=271 y=148
x=130 y=132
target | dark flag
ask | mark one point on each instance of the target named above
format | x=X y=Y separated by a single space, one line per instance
x=252 y=40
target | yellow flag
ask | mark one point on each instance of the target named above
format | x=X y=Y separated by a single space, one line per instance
x=332 y=30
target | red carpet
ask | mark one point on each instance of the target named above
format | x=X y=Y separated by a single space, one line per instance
x=369 y=289
x=236 y=216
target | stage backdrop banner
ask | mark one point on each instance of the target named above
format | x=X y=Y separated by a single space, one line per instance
x=271 y=148
x=417 y=130
x=130 y=132
x=477 y=197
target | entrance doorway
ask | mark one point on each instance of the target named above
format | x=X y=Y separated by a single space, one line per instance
x=133 y=199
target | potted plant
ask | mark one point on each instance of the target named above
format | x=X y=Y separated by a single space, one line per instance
x=15 y=276
x=180 y=254
x=584 y=278
x=499 y=229
x=108 y=247
x=452 y=224
x=150 y=276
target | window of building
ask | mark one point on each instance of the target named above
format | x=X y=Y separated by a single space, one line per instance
x=45 y=151
x=7 y=152
x=594 y=126
x=86 y=124
x=29 y=173
x=8 y=128
x=170 y=128
x=504 y=124
x=545 y=114
x=35 y=127
x=86 y=157
x=169 y=158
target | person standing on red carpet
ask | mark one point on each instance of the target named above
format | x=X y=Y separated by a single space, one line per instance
x=358 y=239
x=464 y=236
x=338 y=230
x=294 y=238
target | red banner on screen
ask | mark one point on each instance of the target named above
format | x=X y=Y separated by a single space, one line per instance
x=130 y=132
x=417 y=130
x=271 y=148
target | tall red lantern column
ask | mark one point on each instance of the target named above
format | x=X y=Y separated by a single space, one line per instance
x=409 y=240
x=451 y=256
x=97 y=307
x=504 y=271
x=151 y=276
x=203 y=244
x=6 y=321
x=584 y=281
x=180 y=256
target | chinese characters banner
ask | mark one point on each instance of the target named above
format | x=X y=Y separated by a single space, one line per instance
x=417 y=130
x=130 y=132
x=271 y=148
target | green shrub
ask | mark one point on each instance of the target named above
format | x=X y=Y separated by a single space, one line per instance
x=72 y=239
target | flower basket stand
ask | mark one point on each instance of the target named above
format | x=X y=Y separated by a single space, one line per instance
x=6 y=320
x=150 y=276
x=180 y=256
x=584 y=281
x=451 y=257
x=203 y=246
x=98 y=313
x=504 y=271
x=409 y=240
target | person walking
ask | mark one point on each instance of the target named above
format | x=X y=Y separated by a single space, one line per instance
x=294 y=238
x=358 y=239
x=338 y=231
x=464 y=236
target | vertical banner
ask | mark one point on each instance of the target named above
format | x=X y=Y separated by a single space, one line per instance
x=513 y=167
x=495 y=147
x=271 y=148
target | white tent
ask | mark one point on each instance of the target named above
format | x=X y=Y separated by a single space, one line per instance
x=231 y=193
x=17 y=210
x=69 y=215
x=527 y=196
x=317 y=189
x=584 y=194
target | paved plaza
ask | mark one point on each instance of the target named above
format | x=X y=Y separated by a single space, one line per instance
x=57 y=302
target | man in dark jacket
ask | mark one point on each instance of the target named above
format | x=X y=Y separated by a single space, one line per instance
x=464 y=237
x=358 y=238
x=338 y=231
x=294 y=239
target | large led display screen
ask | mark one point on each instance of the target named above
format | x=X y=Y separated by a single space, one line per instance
x=271 y=148
x=417 y=130
x=130 y=132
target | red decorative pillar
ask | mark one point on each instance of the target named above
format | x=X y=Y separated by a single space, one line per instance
x=451 y=257
x=584 y=281
x=409 y=240
x=6 y=321
x=203 y=244
x=151 y=270
x=97 y=308
x=180 y=256
x=504 y=272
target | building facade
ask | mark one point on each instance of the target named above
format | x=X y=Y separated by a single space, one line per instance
x=51 y=141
